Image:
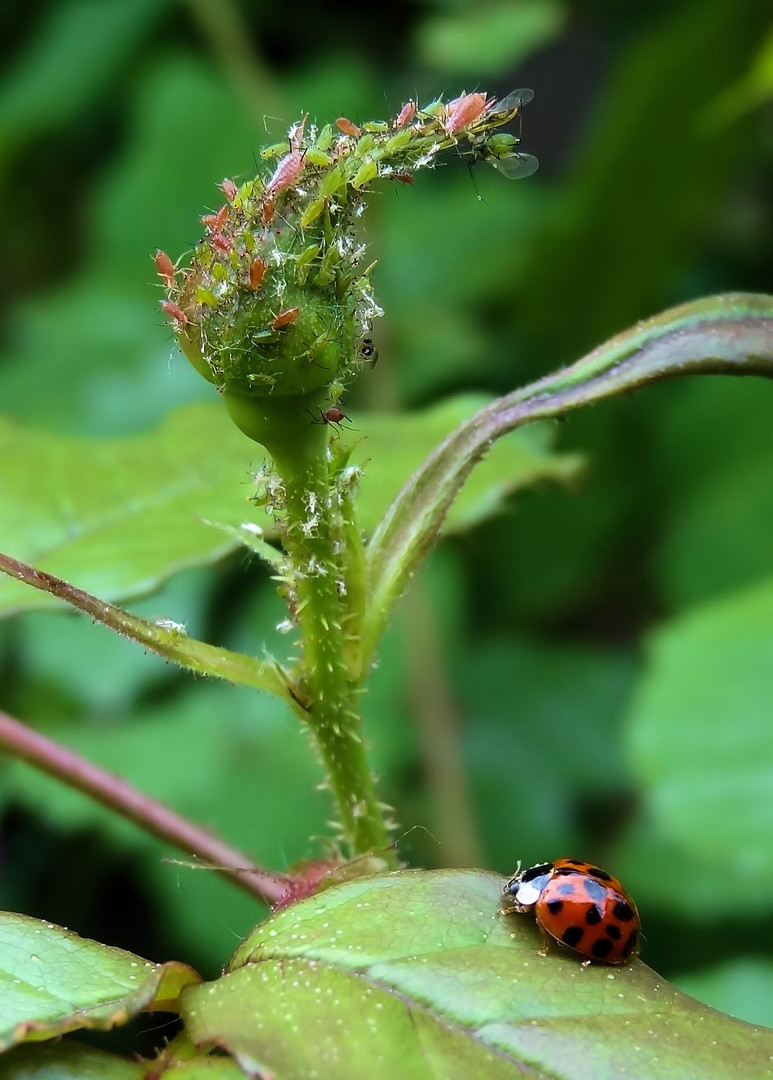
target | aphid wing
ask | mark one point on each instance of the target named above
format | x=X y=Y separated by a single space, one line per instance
x=515 y=166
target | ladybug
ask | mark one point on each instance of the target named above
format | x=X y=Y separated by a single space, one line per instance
x=578 y=905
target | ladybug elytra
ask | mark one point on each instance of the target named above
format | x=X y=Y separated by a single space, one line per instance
x=580 y=906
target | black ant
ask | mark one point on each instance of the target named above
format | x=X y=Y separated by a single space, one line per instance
x=368 y=351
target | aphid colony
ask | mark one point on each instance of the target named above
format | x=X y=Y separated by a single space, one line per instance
x=277 y=300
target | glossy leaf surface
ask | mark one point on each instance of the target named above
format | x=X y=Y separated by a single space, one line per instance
x=416 y=974
x=54 y=982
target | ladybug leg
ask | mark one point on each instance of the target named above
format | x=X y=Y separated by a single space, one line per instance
x=545 y=942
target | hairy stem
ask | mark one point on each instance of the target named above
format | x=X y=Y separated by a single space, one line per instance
x=319 y=545
x=151 y=816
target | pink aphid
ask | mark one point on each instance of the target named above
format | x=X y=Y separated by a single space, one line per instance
x=175 y=313
x=215 y=222
x=286 y=172
x=221 y=243
x=347 y=126
x=229 y=189
x=464 y=111
x=164 y=267
x=406 y=114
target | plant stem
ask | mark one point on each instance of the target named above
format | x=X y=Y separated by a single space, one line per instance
x=318 y=554
x=152 y=816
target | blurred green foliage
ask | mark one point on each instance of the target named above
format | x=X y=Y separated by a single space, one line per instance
x=603 y=654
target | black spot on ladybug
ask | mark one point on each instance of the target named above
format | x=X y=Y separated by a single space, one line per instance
x=614 y=932
x=601 y=948
x=592 y=915
x=564 y=870
x=567 y=889
x=554 y=906
x=622 y=912
x=576 y=862
x=593 y=890
x=630 y=943
x=602 y=875
x=536 y=871
x=571 y=936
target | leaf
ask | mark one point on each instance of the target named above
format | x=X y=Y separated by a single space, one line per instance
x=700 y=740
x=730 y=334
x=491 y=38
x=119 y=516
x=62 y=71
x=67 y=1060
x=164 y=637
x=55 y=982
x=415 y=975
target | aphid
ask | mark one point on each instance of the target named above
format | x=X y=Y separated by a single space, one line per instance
x=267 y=208
x=347 y=127
x=368 y=351
x=175 y=313
x=256 y=273
x=222 y=243
x=229 y=189
x=513 y=164
x=402 y=177
x=511 y=104
x=215 y=222
x=332 y=416
x=464 y=111
x=578 y=905
x=406 y=114
x=286 y=172
x=285 y=318
x=164 y=267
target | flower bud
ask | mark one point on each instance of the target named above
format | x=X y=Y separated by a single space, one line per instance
x=277 y=299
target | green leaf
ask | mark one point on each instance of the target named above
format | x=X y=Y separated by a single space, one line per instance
x=489 y=39
x=119 y=516
x=67 y=1061
x=62 y=71
x=55 y=982
x=729 y=334
x=416 y=975
x=700 y=740
x=742 y=987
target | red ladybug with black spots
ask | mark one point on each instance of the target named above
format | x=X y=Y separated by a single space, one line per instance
x=580 y=906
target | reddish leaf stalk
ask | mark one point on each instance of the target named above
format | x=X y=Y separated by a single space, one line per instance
x=152 y=816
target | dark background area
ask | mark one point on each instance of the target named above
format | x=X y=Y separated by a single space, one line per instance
x=602 y=653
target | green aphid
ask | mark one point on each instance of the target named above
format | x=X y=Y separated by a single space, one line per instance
x=397 y=142
x=275 y=151
x=304 y=261
x=312 y=212
x=435 y=108
x=205 y=296
x=325 y=140
x=500 y=145
x=327 y=270
x=365 y=145
x=314 y=156
x=364 y=175
x=332 y=182
x=376 y=126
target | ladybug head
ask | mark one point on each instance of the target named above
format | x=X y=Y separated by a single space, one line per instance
x=523 y=890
